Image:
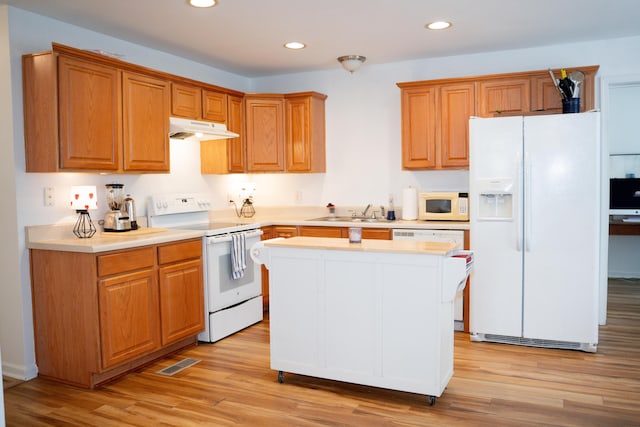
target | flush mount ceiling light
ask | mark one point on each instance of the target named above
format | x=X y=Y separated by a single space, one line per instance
x=351 y=63
x=202 y=3
x=295 y=45
x=438 y=25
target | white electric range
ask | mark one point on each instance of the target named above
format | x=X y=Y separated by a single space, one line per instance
x=231 y=304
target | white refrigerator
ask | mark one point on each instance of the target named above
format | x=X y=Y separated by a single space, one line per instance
x=535 y=230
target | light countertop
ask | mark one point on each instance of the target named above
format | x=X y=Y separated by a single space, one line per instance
x=366 y=245
x=60 y=237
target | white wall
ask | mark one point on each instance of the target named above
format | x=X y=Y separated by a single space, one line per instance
x=362 y=125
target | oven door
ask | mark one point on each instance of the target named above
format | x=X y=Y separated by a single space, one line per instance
x=222 y=290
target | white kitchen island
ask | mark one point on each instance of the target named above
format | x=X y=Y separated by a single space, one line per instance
x=377 y=313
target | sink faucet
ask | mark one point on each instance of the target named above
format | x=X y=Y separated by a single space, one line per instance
x=364 y=212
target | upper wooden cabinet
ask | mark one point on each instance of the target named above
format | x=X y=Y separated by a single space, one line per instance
x=510 y=95
x=84 y=113
x=227 y=155
x=305 y=132
x=285 y=132
x=186 y=101
x=419 y=127
x=193 y=102
x=237 y=147
x=265 y=132
x=435 y=125
x=146 y=124
x=456 y=106
x=435 y=113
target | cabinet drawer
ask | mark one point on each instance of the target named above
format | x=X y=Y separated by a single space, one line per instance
x=125 y=261
x=180 y=251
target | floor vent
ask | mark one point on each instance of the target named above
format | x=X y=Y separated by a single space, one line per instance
x=177 y=367
x=533 y=342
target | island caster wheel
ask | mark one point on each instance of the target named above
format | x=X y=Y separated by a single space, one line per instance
x=280 y=377
x=432 y=400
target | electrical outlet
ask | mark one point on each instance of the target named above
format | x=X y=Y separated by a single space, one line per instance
x=298 y=196
x=49 y=196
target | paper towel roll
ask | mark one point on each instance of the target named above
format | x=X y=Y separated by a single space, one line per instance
x=410 y=203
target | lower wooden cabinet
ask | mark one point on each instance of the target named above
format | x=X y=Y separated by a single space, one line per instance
x=98 y=316
x=129 y=316
x=342 y=232
x=181 y=291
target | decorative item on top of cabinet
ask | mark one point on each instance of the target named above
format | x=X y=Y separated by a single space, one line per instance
x=89 y=112
x=305 y=132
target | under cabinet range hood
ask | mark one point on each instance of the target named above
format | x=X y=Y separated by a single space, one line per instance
x=197 y=129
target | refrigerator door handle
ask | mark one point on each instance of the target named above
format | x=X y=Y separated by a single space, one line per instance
x=528 y=218
x=516 y=205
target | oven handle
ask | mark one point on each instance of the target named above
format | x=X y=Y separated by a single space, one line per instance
x=212 y=240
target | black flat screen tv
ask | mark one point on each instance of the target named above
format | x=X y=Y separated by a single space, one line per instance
x=624 y=196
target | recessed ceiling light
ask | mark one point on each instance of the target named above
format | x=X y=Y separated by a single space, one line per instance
x=202 y=3
x=438 y=25
x=295 y=45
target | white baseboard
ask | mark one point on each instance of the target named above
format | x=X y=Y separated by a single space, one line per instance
x=19 y=372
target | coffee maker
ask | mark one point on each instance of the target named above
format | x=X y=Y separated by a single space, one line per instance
x=117 y=219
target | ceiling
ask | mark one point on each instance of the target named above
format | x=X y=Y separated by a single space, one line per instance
x=245 y=37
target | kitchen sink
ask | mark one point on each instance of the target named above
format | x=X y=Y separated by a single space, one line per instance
x=348 y=219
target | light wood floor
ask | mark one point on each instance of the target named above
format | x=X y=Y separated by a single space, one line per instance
x=493 y=385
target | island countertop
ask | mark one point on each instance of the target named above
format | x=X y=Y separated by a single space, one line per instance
x=367 y=245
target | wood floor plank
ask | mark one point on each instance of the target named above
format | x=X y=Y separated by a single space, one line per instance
x=493 y=385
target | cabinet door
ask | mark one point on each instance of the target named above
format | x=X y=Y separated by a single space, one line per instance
x=265 y=134
x=89 y=97
x=186 y=101
x=376 y=233
x=214 y=106
x=181 y=300
x=419 y=128
x=146 y=103
x=129 y=316
x=319 y=231
x=504 y=96
x=298 y=136
x=456 y=106
x=305 y=133
x=235 y=123
x=285 y=231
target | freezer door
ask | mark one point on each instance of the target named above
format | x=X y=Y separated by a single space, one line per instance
x=496 y=281
x=561 y=221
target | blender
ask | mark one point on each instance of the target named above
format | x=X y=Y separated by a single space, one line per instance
x=116 y=219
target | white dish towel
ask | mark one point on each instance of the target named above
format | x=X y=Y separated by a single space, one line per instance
x=238 y=255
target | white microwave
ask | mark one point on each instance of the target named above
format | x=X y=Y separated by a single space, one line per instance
x=443 y=206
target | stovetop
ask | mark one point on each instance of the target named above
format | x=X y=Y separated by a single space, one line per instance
x=189 y=211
